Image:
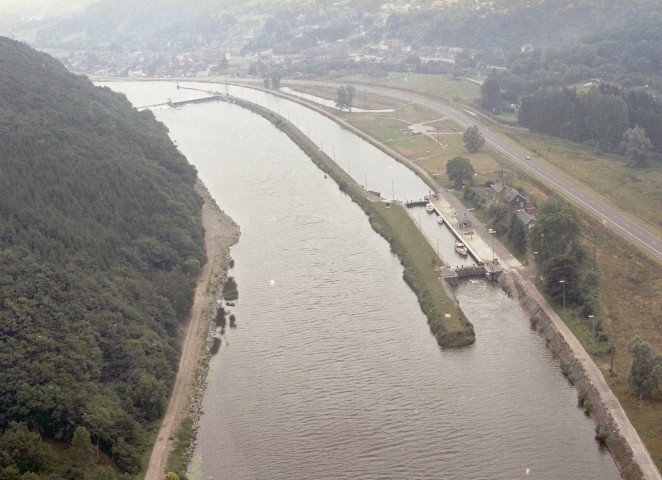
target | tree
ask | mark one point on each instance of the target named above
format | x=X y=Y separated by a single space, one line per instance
x=637 y=146
x=103 y=473
x=23 y=451
x=126 y=458
x=645 y=372
x=151 y=396
x=267 y=82
x=341 y=98
x=491 y=95
x=499 y=213
x=345 y=97
x=517 y=234
x=606 y=118
x=351 y=92
x=562 y=267
x=557 y=227
x=460 y=171
x=224 y=64
x=473 y=139
x=81 y=453
x=275 y=79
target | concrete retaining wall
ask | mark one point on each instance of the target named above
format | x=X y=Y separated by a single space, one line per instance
x=578 y=376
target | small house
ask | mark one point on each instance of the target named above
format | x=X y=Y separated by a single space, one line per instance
x=464 y=221
x=511 y=197
x=526 y=218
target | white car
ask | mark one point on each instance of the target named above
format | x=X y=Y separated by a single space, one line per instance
x=528 y=158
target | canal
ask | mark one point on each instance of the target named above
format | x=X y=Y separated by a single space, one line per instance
x=332 y=372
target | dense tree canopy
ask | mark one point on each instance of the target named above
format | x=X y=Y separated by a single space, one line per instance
x=490 y=92
x=460 y=171
x=645 y=373
x=473 y=139
x=345 y=96
x=602 y=116
x=100 y=240
x=556 y=229
x=637 y=146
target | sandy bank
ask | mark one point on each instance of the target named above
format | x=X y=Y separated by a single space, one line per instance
x=220 y=234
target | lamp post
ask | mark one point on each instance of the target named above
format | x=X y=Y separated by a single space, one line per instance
x=562 y=282
x=592 y=317
x=492 y=232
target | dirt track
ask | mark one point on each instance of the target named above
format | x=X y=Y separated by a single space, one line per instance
x=220 y=233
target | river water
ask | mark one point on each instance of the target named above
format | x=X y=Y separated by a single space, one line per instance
x=332 y=372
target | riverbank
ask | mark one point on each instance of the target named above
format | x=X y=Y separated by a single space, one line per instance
x=625 y=445
x=220 y=234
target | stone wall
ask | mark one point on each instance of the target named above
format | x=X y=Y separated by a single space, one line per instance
x=593 y=403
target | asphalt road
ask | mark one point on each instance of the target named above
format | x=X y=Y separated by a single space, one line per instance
x=622 y=224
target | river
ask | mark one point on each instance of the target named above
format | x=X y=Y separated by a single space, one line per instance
x=332 y=372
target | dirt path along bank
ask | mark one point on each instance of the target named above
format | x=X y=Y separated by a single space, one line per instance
x=220 y=233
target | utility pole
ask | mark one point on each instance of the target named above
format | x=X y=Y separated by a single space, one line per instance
x=592 y=317
x=562 y=282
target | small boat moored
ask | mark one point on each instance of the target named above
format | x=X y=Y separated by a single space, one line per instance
x=461 y=248
x=429 y=208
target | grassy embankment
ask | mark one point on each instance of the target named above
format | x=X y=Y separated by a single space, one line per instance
x=630 y=280
x=394 y=224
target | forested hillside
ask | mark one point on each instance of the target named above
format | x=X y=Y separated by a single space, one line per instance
x=100 y=242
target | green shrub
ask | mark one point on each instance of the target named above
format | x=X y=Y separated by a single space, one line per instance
x=230 y=291
x=219 y=320
x=179 y=458
x=216 y=344
x=602 y=434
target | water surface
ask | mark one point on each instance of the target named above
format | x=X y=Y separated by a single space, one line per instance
x=332 y=372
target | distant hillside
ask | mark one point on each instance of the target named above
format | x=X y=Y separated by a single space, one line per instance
x=550 y=42
x=100 y=242
x=509 y=24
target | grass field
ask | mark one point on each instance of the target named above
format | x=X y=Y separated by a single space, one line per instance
x=635 y=191
x=428 y=151
x=442 y=86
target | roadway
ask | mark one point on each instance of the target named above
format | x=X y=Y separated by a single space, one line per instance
x=618 y=221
